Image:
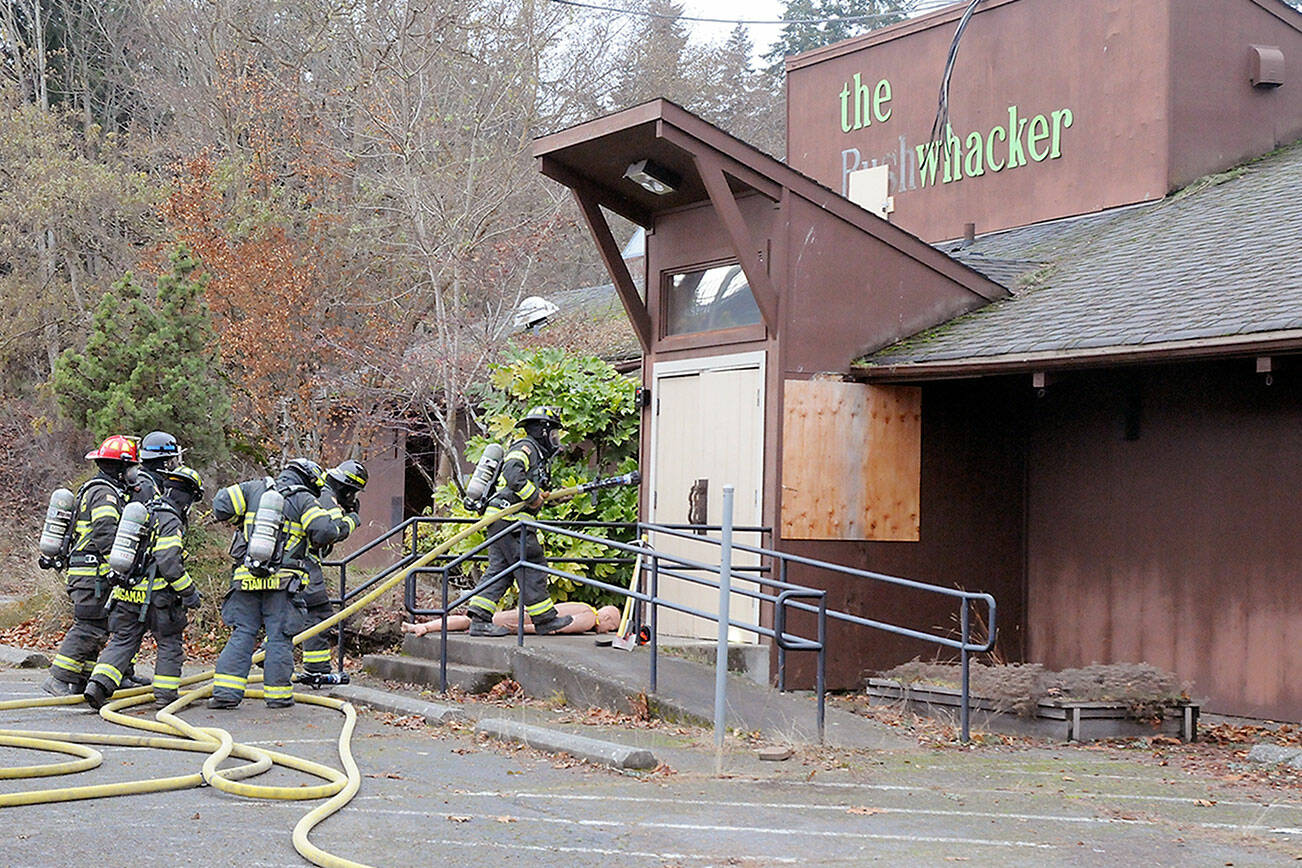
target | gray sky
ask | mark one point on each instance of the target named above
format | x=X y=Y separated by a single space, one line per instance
x=752 y=10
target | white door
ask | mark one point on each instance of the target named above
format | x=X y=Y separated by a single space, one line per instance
x=708 y=432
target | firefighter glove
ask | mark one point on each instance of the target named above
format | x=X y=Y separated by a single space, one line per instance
x=535 y=503
x=191 y=598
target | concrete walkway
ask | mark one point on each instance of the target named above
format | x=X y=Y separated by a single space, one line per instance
x=586 y=675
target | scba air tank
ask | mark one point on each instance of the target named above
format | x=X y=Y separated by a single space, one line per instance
x=58 y=518
x=126 y=543
x=481 y=481
x=266 y=528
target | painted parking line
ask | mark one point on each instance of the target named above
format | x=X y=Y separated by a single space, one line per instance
x=1007 y=791
x=742 y=830
x=603 y=851
x=841 y=809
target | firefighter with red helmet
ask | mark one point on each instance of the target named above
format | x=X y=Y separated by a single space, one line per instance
x=524 y=475
x=158 y=596
x=98 y=508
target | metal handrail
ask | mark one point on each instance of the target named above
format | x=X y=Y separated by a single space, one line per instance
x=964 y=645
x=786 y=596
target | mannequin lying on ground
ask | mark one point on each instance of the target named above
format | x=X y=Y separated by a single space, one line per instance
x=586 y=620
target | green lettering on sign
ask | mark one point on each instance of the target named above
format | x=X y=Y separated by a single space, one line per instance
x=870 y=103
x=997 y=150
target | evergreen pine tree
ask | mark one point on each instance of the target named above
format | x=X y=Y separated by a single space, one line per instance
x=87 y=382
x=831 y=24
x=151 y=368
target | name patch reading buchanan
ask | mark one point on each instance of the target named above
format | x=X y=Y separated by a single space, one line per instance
x=256 y=583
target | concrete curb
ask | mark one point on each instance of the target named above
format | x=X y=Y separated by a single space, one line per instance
x=22 y=658
x=432 y=712
x=601 y=752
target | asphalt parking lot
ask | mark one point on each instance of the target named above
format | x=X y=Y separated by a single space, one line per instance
x=434 y=796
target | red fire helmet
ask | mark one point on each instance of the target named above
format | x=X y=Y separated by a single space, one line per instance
x=116 y=448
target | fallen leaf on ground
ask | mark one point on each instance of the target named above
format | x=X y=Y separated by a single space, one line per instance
x=455 y=819
x=864 y=810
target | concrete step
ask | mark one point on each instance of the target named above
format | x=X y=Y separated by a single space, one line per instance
x=485 y=652
x=497 y=652
x=416 y=670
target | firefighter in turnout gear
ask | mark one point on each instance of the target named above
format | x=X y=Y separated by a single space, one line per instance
x=155 y=596
x=339 y=497
x=99 y=507
x=524 y=477
x=277 y=522
x=159 y=453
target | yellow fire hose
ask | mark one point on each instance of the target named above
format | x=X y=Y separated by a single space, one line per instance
x=216 y=742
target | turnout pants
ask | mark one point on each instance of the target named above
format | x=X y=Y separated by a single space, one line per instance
x=531 y=581
x=166 y=619
x=247 y=613
x=316 y=649
x=75 y=658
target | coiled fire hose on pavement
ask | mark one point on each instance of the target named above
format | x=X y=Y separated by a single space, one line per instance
x=171 y=732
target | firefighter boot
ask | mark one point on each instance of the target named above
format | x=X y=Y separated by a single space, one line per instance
x=55 y=687
x=96 y=694
x=223 y=701
x=554 y=624
x=480 y=627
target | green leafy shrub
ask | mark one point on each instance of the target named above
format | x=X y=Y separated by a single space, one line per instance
x=600 y=439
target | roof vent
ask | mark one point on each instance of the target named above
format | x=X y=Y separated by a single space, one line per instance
x=1267 y=68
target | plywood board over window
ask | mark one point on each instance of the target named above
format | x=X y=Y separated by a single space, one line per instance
x=851 y=461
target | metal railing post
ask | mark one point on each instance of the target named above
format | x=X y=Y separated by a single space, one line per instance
x=519 y=590
x=721 y=654
x=443 y=637
x=781 y=623
x=343 y=595
x=821 y=677
x=655 y=627
x=964 y=713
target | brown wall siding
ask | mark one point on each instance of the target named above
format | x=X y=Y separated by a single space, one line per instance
x=1180 y=548
x=1106 y=60
x=852 y=294
x=1218 y=118
x=381 y=501
x=971 y=536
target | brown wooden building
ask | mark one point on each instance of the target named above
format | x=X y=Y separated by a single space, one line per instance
x=1094 y=405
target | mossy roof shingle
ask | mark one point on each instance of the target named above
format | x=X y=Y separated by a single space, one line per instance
x=1220 y=259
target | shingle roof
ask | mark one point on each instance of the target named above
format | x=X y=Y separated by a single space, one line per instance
x=1220 y=259
x=591 y=320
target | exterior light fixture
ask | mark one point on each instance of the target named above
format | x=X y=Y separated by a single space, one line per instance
x=653 y=178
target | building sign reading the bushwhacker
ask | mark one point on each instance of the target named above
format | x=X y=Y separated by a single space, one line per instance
x=1027 y=138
